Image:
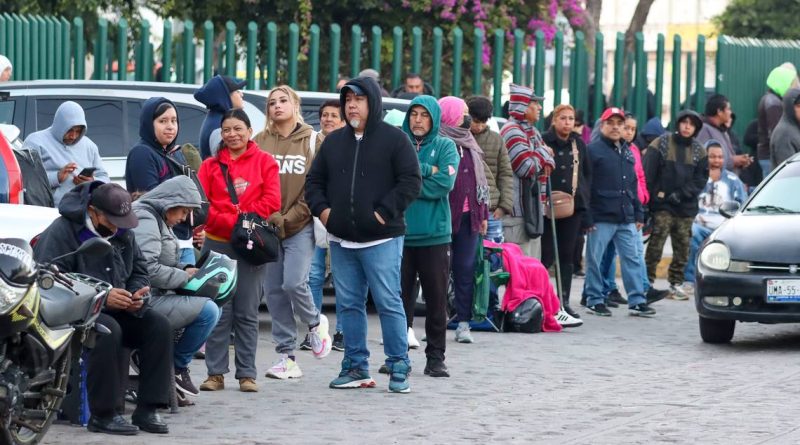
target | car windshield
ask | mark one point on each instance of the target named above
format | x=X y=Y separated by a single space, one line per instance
x=779 y=195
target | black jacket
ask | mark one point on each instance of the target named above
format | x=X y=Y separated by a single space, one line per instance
x=561 y=178
x=354 y=178
x=614 y=185
x=124 y=267
x=684 y=170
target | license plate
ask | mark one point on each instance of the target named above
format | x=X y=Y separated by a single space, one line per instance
x=783 y=291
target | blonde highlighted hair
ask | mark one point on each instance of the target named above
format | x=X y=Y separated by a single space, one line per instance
x=560 y=109
x=294 y=98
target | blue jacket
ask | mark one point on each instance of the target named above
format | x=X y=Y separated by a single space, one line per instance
x=614 y=198
x=216 y=97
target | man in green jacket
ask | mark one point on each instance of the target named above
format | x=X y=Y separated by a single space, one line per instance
x=426 y=252
x=501 y=189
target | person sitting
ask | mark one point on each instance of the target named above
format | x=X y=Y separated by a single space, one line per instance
x=159 y=210
x=90 y=210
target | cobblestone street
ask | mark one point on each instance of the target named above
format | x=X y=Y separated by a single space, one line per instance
x=615 y=380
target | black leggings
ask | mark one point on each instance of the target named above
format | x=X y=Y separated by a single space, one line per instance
x=567 y=235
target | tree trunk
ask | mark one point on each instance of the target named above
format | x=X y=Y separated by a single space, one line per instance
x=637 y=24
x=591 y=27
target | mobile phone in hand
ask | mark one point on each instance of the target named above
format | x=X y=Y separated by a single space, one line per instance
x=88 y=172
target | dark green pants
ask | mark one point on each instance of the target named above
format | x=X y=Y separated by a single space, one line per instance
x=679 y=229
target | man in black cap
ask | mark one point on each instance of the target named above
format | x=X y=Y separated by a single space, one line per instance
x=219 y=95
x=90 y=210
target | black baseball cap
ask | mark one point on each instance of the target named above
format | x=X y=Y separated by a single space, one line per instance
x=233 y=84
x=115 y=203
x=354 y=88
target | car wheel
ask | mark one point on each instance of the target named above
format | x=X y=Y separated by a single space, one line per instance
x=716 y=331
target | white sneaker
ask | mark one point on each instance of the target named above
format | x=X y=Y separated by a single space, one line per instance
x=285 y=368
x=412 y=340
x=566 y=320
x=320 y=339
x=462 y=333
x=688 y=288
x=677 y=293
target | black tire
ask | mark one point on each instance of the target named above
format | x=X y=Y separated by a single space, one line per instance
x=716 y=331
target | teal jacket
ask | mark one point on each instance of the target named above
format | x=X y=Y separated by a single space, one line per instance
x=428 y=217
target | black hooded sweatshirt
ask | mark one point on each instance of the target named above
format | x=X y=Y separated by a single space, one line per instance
x=355 y=178
x=124 y=267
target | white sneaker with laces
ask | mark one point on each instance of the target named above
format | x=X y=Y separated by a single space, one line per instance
x=566 y=320
x=285 y=368
x=677 y=293
x=320 y=339
x=412 y=340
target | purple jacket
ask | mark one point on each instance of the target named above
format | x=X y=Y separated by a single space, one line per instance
x=466 y=187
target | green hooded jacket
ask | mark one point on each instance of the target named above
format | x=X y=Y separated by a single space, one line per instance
x=428 y=217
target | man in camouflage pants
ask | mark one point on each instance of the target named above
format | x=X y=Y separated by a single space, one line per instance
x=676 y=169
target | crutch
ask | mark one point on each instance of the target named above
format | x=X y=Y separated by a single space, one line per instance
x=555 y=245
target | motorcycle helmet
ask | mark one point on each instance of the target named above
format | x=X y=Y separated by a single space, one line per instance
x=527 y=317
x=17 y=286
x=216 y=278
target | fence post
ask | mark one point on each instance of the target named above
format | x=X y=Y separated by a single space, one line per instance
x=688 y=103
x=375 y=56
x=166 y=52
x=436 y=72
x=416 y=49
x=640 y=107
x=499 y=56
x=659 y=74
x=294 y=45
x=581 y=71
x=66 y=60
x=80 y=49
x=18 y=49
x=3 y=28
x=336 y=36
x=700 y=96
x=313 y=59
x=355 y=50
x=397 y=55
x=519 y=43
x=146 y=52
x=208 y=50
x=25 y=67
x=51 y=44
x=58 y=66
x=538 y=74
x=230 y=49
x=35 y=49
x=252 y=42
x=272 y=54
x=558 y=72
x=675 y=88
x=100 y=50
x=619 y=69
x=477 y=60
x=599 y=58
x=458 y=44
x=122 y=49
x=41 y=56
x=188 y=52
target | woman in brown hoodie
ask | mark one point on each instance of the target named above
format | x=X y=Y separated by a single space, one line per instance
x=288 y=139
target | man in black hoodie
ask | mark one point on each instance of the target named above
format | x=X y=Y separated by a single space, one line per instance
x=363 y=178
x=95 y=209
x=676 y=168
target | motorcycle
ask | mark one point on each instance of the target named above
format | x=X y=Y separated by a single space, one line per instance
x=46 y=318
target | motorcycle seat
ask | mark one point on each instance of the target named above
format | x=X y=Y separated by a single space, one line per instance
x=60 y=306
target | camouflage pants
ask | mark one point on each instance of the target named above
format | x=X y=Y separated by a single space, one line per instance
x=679 y=229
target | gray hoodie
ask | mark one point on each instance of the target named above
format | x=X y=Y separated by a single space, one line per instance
x=55 y=154
x=785 y=140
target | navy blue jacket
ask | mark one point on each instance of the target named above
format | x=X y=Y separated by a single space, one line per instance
x=217 y=99
x=614 y=185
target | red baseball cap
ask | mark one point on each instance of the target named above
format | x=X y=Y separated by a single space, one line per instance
x=612 y=111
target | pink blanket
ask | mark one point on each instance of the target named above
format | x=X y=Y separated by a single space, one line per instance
x=529 y=279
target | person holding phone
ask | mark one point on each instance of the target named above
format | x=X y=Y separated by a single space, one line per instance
x=70 y=158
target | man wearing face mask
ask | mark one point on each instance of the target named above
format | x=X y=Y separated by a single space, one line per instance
x=92 y=210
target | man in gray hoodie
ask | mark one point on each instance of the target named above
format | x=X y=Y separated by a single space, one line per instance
x=67 y=152
x=785 y=140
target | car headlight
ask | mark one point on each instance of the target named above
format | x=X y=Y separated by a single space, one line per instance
x=10 y=296
x=716 y=256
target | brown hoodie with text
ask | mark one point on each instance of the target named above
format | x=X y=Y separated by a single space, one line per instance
x=294 y=156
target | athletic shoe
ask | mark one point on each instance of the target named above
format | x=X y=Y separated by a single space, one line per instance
x=201 y=354
x=641 y=310
x=571 y=311
x=611 y=304
x=579 y=273
x=412 y=340
x=676 y=293
x=385 y=369
x=306 y=344
x=247 y=384
x=338 y=342
x=654 y=295
x=183 y=383
x=615 y=297
x=398 y=380
x=352 y=378
x=566 y=320
x=284 y=368
x=319 y=338
x=183 y=399
x=435 y=368
x=213 y=383
x=599 y=309
x=462 y=333
x=687 y=288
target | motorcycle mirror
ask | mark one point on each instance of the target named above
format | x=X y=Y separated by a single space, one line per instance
x=95 y=246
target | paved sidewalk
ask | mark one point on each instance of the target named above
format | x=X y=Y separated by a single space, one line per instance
x=615 y=380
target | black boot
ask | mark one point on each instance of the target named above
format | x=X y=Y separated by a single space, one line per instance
x=566 y=289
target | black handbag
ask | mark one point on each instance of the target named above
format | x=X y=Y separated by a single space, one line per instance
x=253 y=239
x=532 y=211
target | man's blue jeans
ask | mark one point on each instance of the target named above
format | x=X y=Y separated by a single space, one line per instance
x=376 y=269
x=196 y=333
x=624 y=238
x=609 y=267
x=316 y=281
x=699 y=234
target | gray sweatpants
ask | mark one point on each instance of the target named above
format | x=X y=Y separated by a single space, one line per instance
x=241 y=315
x=288 y=294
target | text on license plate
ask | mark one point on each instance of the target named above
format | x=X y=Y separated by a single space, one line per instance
x=783 y=291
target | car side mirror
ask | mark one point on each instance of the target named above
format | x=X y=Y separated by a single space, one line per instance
x=729 y=208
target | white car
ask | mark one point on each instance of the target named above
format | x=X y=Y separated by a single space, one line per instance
x=23 y=221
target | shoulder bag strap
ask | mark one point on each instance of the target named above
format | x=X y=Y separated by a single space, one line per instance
x=231 y=190
x=575 y=164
